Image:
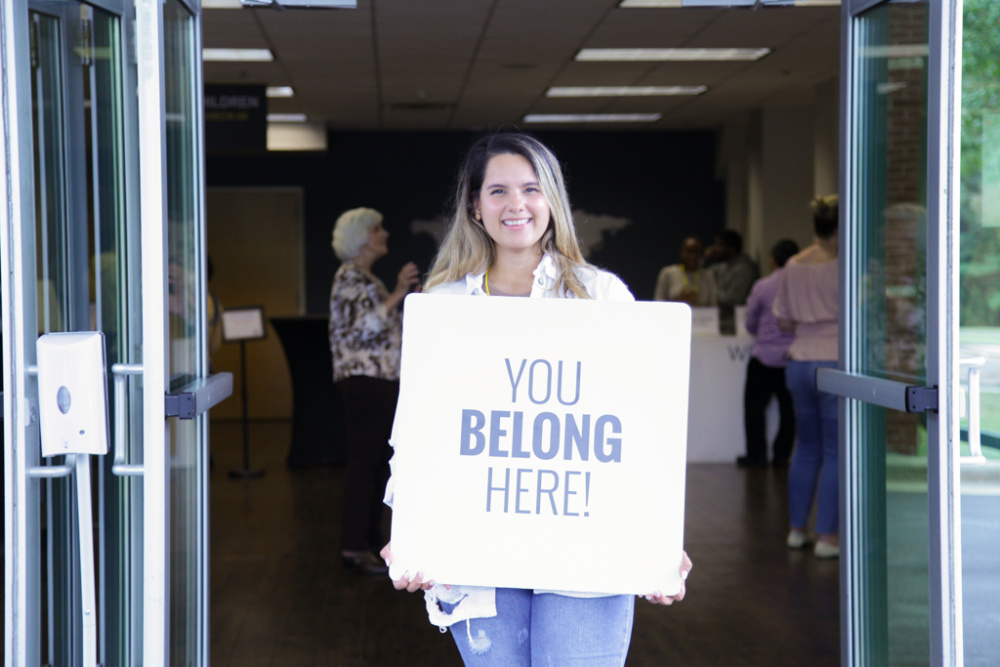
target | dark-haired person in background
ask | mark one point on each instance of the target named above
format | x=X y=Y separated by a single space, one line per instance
x=733 y=271
x=687 y=281
x=807 y=304
x=766 y=369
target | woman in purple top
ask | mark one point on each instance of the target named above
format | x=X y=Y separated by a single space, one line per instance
x=766 y=370
x=807 y=305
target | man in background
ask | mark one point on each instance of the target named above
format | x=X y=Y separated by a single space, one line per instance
x=766 y=369
x=733 y=271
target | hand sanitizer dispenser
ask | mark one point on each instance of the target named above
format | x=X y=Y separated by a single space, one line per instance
x=73 y=409
x=72 y=393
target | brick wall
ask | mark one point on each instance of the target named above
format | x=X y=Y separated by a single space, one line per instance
x=905 y=218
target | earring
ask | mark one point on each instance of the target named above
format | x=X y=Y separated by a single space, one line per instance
x=479 y=218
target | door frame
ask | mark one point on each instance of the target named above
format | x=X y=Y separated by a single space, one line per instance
x=944 y=498
x=153 y=230
x=22 y=525
x=145 y=179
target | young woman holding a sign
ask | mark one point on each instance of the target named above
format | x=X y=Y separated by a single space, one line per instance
x=512 y=234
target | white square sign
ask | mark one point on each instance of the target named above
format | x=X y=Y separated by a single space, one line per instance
x=540 y=443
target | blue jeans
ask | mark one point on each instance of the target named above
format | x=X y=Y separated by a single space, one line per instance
x=815 y=459
x=548 y=630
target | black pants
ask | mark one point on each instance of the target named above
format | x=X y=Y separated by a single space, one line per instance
x=763 y=382
x=369 y=406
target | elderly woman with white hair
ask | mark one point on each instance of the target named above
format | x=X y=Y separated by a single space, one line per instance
x=365 y=335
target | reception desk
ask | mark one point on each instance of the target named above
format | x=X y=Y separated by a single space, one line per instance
x=715 y=410
x=317 y=419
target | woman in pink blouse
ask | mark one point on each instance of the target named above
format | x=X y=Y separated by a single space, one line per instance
x=365 y=337
x=807 y=305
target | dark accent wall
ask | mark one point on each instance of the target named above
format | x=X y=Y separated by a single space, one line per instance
x=663 y=182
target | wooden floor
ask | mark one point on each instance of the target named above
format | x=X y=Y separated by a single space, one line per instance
x=280 y=597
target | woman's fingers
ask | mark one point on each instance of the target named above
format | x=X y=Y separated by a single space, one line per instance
x=404 y=582
x=660 y=598
x=413 y=585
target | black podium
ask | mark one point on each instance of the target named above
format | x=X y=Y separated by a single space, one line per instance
x=318 y=414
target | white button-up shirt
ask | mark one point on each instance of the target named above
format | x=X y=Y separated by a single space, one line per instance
x=447 y=606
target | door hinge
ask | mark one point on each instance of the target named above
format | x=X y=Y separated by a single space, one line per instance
x=921 y=399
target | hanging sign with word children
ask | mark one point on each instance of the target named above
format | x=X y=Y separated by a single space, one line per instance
x=540 y=443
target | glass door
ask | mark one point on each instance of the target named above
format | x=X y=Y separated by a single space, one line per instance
x=898 y=378
x=979 y=333
x=102 y=230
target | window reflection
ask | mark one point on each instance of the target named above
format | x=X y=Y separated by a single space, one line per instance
x=979 y=310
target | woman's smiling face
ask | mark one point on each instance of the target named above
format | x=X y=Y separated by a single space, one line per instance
x=515 y=213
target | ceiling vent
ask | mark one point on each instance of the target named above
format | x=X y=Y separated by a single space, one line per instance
x=302 y=4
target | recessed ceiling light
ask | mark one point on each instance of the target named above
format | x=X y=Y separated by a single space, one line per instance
x=286 y=118
x=623 y=91
x=630 y=4
x=895 y=51
x=280 y=91
x=221 y=4
x=647 y=55
x=889 y=88
x=236 y=55
x=593 y=118
x=645 y=4
x=302 y=4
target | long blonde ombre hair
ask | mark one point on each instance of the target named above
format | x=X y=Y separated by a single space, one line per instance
x=467 y=248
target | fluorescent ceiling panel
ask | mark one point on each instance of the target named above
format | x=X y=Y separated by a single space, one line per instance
x=303 y=4
x=732 y=3
x=623 y=91
x=236 y=55
x=638 y=4
x=286 y=118
x=895 y=51
x=280 y=91
x=593 y=118
x=296 y=136
x=658 y=55
x=221 y=4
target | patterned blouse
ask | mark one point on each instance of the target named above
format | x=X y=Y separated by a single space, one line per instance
x=364 y=338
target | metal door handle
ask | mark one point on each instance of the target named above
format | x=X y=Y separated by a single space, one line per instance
x=50 y=472
x=890 y=394
x=974 y=364
x=119 y=466
x=54 y=472
x=197 y=397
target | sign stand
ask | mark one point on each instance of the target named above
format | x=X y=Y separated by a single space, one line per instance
x=243 y=324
